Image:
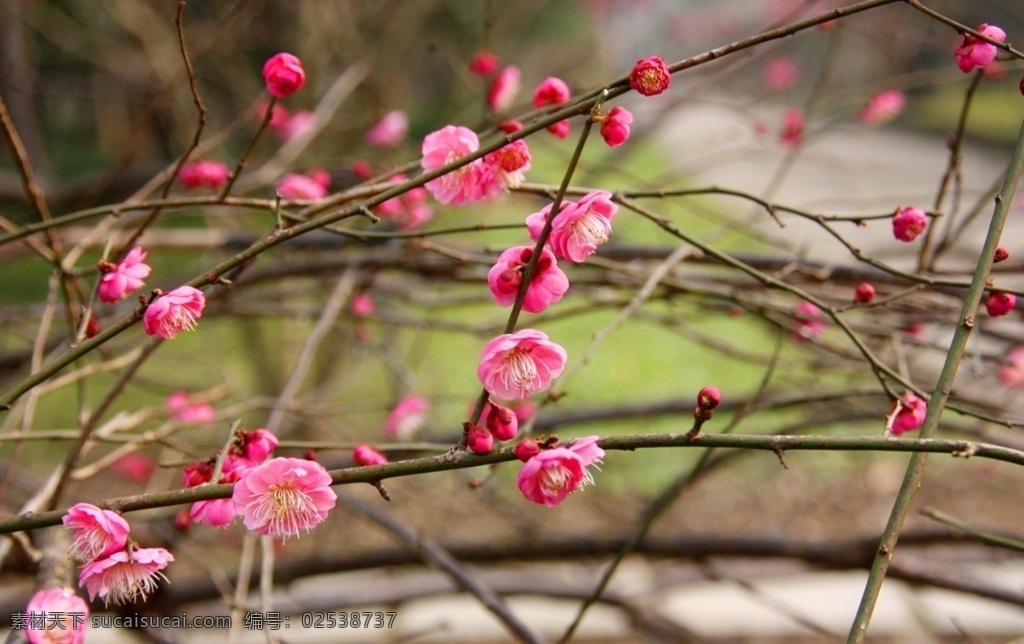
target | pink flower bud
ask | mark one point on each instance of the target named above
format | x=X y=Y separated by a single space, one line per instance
x=91 y=328
x=908 y=223
x=204 y=174
x=182 y=520
x=792 y=127
x=650 y=76
x=974 y=52
x=780 y=73
x=500 y=421
x=526 y=449
x=615 y=126
x=551 y=91
x=999 y=303
x=389 y=131
x=911 y=415
x=366 y=455
x=283 y=74
x=478 y=439
x=504 y=89
x=197 y=473
x=483 y=64
x=1001 y=255
x=362 y=305
x=709 y=397
x=865 y=293
x=560 y=129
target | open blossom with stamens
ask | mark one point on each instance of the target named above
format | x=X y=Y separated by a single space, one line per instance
x=516 y=365
x=548 y=285
x=472 y=182
x=98 y=532
x=908 y=223
x=554 y=474
x=65 y=617
x=973 y=52
x=1011 y=372
x=504 y=89
x=911 y=414
x=579 y=228
x=389 y=130
x=883 y=107
x=204 y=174
x=650 y=76
x=125 y=576
x=124 y=278
x=283 y=74
x=510 y=163
x=284 y=496
x=407 y=417
x=173 y=312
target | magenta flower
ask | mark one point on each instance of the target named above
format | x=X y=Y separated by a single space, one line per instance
x=973 y=52
x=124 y=278
x=510 y=163
x=579 y=228
x=1011 y=372
x=554 y=474
x=650 y=76
x=126 y=575
x=366 y=455
x=66 y=615
x=97 y=532
x=182 y=409
x=299 y=186
x=500 y=421
x=478 y=439
x=204 y=174
x=526 y=449
x=472 y=182
x=516 y=365
x=551 y=91
x=389 y=131
x=548 y=285
x=615 y=126
x=792 y=127
x=216 y=513
x=483 y=64
x=780 y=73
x=283 y=74
x=865 y=293
x=504 y=89
x=999 y=303
x=255 y=445
x=298 y=124
x=560 y=129
x=911 y=414
x=284 y=496
x=908 y=223
x=195 y=474
x=174 y=312
x=407 y=417
x=883 y=107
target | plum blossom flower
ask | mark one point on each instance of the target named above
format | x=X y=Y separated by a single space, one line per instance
x=134 y=466
x=204 y=174
x=407 y=417
x=999 y=303
x=472 y=182
x=483 y=64
x=808 y=321
x=389 y=130
x=284 y=496
x=252 y=447
x=615 y=126
x=98 y=532
x=911 y=414
x=650 y=76
x=183 y=409
x=173 y=312
x=883 y=107
x=300 y=186
x=865 y=293
x=516 y=365
x=551 y=91
x=298 y=124
x=478 y=439
x=973 y=52
x=908 y=223
x=283 y=74
x=578 y=228
x=554 y=474
x=780 y=73
x=366 y=455
x=548 y=285
x=510 y=162
x=127 y=276
x=792 y=127
x=504 y=89
x=126 y=575
x=65 y=617
x=1011 y=372
x=216 y=513
x=559 y=129
x=362 y=305
x=500 y=421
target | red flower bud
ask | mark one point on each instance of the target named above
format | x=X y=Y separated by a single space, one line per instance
x=709 y=397
x=526 y=449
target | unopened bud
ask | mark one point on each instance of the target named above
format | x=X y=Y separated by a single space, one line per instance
x=1001 y=255
x=478 y=439
x=865 y=293
x=526 y=449
x=708 y=398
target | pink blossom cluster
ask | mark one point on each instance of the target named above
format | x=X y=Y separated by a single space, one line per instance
x=479 y=179
x=497 y=423
x=550 y=475
x=410 y=210
x=114 y=567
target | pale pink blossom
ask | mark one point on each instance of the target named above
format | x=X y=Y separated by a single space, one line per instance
x=183 y=409
x=283 y=74
x=808 y=322
x=97 y=532
x=407 y=418
x=516 y=365
x=510 y=162
x=284 y=496
x=173 y=312
x=650 y=76
x=204 y=174
x=125 y=277
x=780 y=73
x=615 y=126
x=554 y=474
x=125 y=576
x=56 y=616
x=135 y=466
x=389 y=130
x=792 y=127
x=908 y=223
x=500 y=421
x=298 y=124
x=548 y=285
x=362 y=305
x=478 y=439
x=883 y=107
x=999 y=303
x=973 y=52
x=299 y=186
x=1011 y=372
x=911 y=414
x=366 y=455
x=551 y=91
x=579 y=228
x=504 y=89
x=483 y=64
x=472 y=182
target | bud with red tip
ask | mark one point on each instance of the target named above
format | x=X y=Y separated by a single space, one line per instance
x=1001 y=256
x=865 y=293
x=708 y=398
x=1000 y=303
x=526 y=449
x=500 y=421
x=478 y=439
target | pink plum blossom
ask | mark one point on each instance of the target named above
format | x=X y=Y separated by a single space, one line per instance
x=195 y=474
x=478 y=439
x=510 y=162
x=579 y=228
x=126 y=575
x=973 y=52
x=64 y=617
x=650 y=76
x=559 y=129
x=216 y=513
x=366 y=455
x=183 y=409
x=526 y=449
x=407 y=417
x=472 y=182
x=999 y=303
x=808 y=323
x=554 y=474
x=615 y=126
x=483 y=64
x=516 y=365
x=883 y=107
x=908 y=223
x=125 y=277
x=362 y=305
x=283 y=74
x=911 y=415
x=389 y=130
x=253 y=446
x=792 y=127
x=500 y=421
x=524 y=410
x=299 y=186
x=551 y=91
x=173 y=312
x=204 y=174
x=298 y=124
x=135 y=466
x=284 y=496
x=97 y=533
x=548 y=285
x=780 y=73
x=865 y=293
x=1011 y=372
x=504 y=89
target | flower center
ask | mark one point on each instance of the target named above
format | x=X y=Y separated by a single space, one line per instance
x=555 y=479
x=520 y=370
x=287 y=510
x=590 y=229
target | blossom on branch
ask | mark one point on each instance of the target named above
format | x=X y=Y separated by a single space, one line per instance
x=283 y=74
x=407 y=417
x=204 y=174
x=554 y=474
x=504 y=89
x=615 y=126
x=908 y=223
x=300 y=186
x=972 y=52
x=516 y=365
x=650 y=76
x=125 y=576
x=284 y=497
x=548 y=285
x=578 y=228
x=98 y=532
x=389 y=130
x=472 y=182
x=911 y=414
x=999 y=303
x=65 y=615
x=122 y=279
x=173 y=312
x=366 y=455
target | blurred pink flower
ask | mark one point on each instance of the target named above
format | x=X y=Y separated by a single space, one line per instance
x=911 y=415
x=125 y=576
x=366 y=455
x=283 y=74
x=299 y=186
x=284 y=496
x=999 y=303
x=65 y=616
x=554 y=474
x=504 y=89
x=524 y=410
x=195 y=474
x=125 y=277
x=483 y=64
x=780 y=73
x=560 y=129
x=472 y=182
x=579 y=228
x=865 y=293
x=516 y=365
x=908 y=223
x=181 y=408
x=500 y=421
x=298 y=124
x=173 y=312
x=792 y=127
x=550 y=91
x=615 y=126
x=548 y=285
x=883 y=107
x=389 y=131
x=1011 y=372
x=478 y=439
x=973 y=52
x=204 y=174
x=650 y=76
x=362 y=305
x=407 y=417
x=808 y=323
x=510 y=163
x=97 y=533
x=135 y=466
